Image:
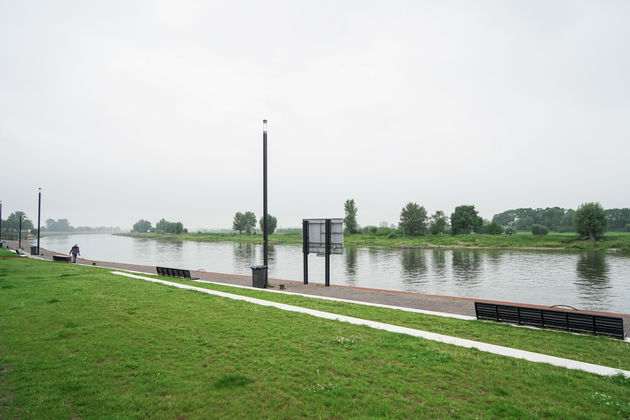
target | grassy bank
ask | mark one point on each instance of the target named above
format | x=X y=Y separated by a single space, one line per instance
x=618 y=241
x=78 y=342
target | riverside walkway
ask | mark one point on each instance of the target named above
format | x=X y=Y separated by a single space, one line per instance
x=439 y=305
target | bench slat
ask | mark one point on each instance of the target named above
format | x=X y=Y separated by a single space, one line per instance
x=548 y=318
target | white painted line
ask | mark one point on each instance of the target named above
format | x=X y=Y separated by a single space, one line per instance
x=489 y=348
x=377 y=305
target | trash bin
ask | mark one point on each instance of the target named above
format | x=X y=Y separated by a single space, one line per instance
x=259 y=276
x=34 y=250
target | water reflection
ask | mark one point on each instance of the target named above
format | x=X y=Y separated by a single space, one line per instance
x=439 y=263
x=414 y=263
x=271 y=253
x=592 y=282
x=467 y=265
x=592 y=267
x=495 y=257
x=244 y=254
x=351 y=264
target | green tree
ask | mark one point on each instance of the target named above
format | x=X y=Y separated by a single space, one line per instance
x=617 y=218
x=272 y=223
x=494 y=228
x=465 y=219
x=249 y=221
x=350 y=220
x=164 y=226
x=238 y=224
x=413 y=219
x=142 y=226
x=11 y=226
x=438 y=223
x=590 y=221
x=566 y=223
x=244 y=222
x=524 y=223
x=539 y=230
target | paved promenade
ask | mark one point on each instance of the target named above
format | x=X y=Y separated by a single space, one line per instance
x=444 y=304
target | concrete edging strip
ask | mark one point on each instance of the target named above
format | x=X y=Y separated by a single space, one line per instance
x=357 y=302
x=488 y=348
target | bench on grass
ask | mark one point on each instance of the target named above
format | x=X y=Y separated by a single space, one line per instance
x=549 y=318
x=62 y=258
x=174 y=272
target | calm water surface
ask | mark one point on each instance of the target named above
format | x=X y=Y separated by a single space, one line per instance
x=592 y=280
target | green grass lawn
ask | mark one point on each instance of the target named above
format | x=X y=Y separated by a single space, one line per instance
x=583 y=347
x=78 y=342
x=612 y=240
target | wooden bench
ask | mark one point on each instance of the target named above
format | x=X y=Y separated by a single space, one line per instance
x=175 y=272
x=62 y=258
x=549 y=318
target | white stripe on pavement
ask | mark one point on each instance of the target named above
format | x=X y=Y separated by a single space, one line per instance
x=489 y=348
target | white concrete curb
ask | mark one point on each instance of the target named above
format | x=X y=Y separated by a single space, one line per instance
x=489 y=348
x=377 y=305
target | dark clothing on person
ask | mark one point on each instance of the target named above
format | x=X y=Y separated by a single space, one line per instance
x=74 y=252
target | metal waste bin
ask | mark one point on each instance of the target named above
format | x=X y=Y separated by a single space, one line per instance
x=34 y=250
x=259 y=276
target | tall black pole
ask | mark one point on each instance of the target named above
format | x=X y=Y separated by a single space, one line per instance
x=327 y=252
x=20 y=234
x=265 y=249
x=0 y=219
x=305 y=249
x=39 y=218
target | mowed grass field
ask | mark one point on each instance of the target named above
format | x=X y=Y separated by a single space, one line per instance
x=78 y=342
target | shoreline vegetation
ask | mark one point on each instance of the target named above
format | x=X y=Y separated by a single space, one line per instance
x=611 y=242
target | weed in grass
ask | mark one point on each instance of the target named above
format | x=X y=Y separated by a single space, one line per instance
x=347 y=341
x=232 y=381
x=53 y=300
x=500 y=391
x=7 y=286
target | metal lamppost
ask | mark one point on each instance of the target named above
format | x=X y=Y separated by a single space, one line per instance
x=39 y=214
x=0 y=219
x=265 y=244
x=20 y=232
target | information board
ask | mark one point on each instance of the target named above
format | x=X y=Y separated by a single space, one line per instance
x=317 y=236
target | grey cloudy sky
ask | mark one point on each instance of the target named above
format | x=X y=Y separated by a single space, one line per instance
x=122 y=110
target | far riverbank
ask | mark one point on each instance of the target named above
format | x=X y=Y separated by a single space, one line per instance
x=612 y=241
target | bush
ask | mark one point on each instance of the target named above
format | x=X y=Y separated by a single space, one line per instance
x=494 y=228
x=628 y=227
x=539 y=230
x=384 y=231
x=509 y=231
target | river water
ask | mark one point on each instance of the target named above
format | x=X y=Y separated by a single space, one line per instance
x=583 y=280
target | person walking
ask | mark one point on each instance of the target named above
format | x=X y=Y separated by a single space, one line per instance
x=74 y=252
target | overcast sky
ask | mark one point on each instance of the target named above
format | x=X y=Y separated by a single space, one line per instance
x=122 y=110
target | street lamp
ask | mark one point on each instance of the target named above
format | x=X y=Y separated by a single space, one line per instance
x=265 y=245
x=20 y=232
x=39 y=213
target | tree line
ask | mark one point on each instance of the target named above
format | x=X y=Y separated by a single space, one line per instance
x=246 y=222
x=589 y=220
x=11 y=226
x=163 y=226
